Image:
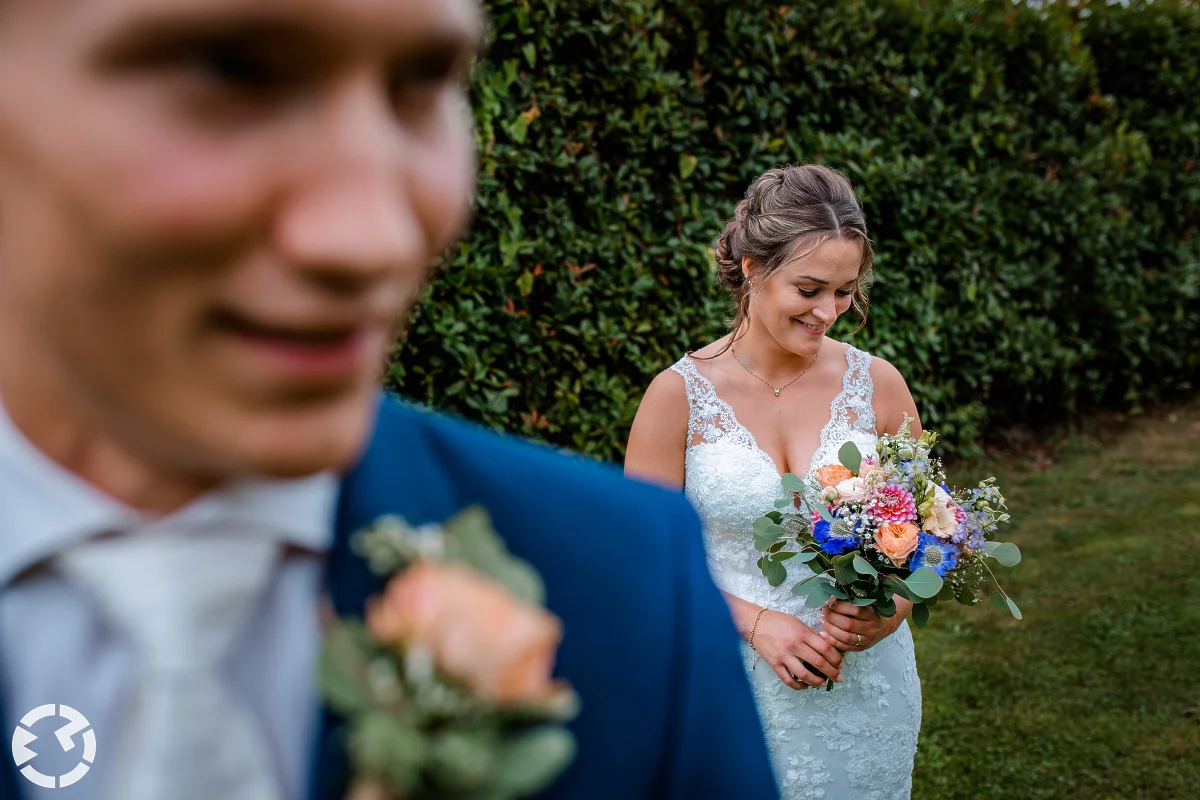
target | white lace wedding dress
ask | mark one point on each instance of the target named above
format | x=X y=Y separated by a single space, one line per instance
x=856 y=742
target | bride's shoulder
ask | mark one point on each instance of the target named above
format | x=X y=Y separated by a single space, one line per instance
x=890 y=394
x=884 y=375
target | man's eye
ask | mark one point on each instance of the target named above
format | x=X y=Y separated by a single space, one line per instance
x=239 y=66
x=422 y=77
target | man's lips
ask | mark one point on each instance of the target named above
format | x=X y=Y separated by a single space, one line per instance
x=317 y=350
x=322 y=333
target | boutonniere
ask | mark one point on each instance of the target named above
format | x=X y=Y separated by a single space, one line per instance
x=446 y=684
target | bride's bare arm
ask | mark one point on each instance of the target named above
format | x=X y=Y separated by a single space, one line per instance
x=658 y=439
x=892 y=399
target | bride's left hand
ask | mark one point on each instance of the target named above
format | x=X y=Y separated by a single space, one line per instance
x=854 y=629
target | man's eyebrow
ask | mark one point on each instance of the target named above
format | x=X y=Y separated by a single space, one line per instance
x=158 y=32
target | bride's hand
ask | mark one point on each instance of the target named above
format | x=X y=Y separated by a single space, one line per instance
x=784 y=642
x=853 y=629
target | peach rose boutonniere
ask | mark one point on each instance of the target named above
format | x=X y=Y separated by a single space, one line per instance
x=446 y=686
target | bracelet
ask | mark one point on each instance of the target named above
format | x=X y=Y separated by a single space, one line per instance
x=754 y=627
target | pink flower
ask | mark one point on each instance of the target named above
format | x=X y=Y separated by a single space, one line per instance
x=867 y=468
x=892 y=504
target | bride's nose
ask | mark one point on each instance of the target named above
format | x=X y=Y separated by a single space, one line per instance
x=825 y=310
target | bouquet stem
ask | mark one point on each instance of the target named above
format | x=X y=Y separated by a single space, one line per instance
x=815 y=671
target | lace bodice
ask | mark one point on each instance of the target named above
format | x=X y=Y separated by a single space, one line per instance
x=731 y=480
x=857 y=741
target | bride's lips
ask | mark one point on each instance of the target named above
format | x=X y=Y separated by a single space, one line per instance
x=310 y=351
x=812 y=330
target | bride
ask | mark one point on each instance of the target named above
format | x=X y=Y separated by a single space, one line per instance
x=778 y=395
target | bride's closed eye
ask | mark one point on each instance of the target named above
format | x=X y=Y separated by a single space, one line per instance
x=815 y=292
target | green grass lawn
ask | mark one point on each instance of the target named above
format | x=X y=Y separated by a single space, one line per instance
x=1096 y=694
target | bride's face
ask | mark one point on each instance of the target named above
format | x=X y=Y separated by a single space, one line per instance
x=802 y=299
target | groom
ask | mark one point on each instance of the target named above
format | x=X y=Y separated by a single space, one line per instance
x=212 y=215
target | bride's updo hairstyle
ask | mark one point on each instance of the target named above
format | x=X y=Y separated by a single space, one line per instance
x=785 y=209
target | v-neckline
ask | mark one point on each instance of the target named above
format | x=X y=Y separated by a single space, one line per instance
x=754 y=441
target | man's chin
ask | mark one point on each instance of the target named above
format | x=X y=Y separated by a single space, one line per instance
x=291 y=445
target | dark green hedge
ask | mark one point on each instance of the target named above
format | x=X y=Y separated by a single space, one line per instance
x=1031 y=178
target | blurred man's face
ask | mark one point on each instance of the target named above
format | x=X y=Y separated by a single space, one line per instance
x=213 y=212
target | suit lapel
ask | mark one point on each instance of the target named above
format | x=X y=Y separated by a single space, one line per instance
x=397 y=474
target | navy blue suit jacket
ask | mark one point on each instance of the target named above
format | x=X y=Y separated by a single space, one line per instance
x=648 y=643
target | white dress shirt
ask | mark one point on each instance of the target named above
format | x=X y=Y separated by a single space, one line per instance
x=54 y=647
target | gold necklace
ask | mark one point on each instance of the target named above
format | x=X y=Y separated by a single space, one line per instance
x=767 y=382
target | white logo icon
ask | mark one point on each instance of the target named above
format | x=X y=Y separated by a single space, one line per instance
x=76 y=723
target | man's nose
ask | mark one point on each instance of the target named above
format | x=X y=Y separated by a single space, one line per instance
x=349 y=216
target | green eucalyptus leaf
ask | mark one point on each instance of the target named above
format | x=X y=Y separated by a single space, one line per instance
x=886 y=608
x=1007 y=553
x=384 y=749
x=533 y=760
x=343 y=668
x=785 y=502
x=897 y=586
x=817 y=596
x=808 y=584
x=768 y=536
x=462 y=761
x=851 y=457
x=776 y=573
x=784 y=556
x=862 y=602
x=791 y=483
x=805 y=556
x=998 y=602
x=1016 y=612
x=472 y=539
x=920 y=615
x=924 y=583
x=863 y=567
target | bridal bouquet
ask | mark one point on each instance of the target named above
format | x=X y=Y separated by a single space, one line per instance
x=446 y=684
x=871 y=529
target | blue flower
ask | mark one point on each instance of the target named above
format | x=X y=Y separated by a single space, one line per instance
x=932 y=552
x=832 y=544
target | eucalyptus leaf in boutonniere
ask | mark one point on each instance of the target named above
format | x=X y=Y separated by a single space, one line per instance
x=446 y=685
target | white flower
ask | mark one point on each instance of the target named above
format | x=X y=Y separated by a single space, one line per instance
x=941 y=521
x=852 y=490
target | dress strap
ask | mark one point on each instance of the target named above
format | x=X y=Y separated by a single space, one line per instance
x=854 y=405
x=709 y=417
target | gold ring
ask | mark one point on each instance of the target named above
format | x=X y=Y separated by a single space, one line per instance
x=859 y=642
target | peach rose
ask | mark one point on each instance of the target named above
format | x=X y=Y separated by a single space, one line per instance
x=897 y=541
x=502 y=649
x=833 y=475
x=867 y=468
